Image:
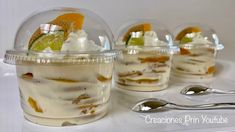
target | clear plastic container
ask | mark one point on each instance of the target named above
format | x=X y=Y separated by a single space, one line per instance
x=64 y=61
x=147 y=50
x=199 y=45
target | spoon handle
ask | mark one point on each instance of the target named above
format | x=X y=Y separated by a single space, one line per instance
x=221 y=91
x=201 y=107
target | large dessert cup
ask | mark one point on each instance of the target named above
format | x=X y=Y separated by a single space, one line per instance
x=63 y=83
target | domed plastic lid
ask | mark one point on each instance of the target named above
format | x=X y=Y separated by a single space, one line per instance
x=194 y=35
x=63 y=35
x=145 y=34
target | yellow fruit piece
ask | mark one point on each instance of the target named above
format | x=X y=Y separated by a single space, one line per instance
x=63 y=80
x=81 y=97
x=211 y=70
x=161 y=59
x=34 y=105
x=68 y=22
x=142 y=27
x=182 y=34
x=102 y=78
x=144 y=80
x=184 y=51
x=27 y=76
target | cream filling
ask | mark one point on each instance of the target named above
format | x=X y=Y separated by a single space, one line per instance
x=55 y=96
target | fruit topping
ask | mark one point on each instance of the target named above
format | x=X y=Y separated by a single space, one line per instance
x=144 y=80
x=161 y=59
x=186 y=31
x=63 y=80
x=184 y=51
x=55 y=32
x=34 y=105
x=27 y=76
x=102 y=78
x=211 y=70
x=81 y=97
x=186 y=35
x=134 y=35
x=130 y=74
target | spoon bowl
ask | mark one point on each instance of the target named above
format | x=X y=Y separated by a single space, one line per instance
x=202 y=90
x=150 y=105
x=195 y=90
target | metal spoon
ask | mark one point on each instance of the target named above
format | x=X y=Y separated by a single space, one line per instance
x=156 y=105
x=200 y=90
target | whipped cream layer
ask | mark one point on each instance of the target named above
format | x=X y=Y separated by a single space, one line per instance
x=76 y=94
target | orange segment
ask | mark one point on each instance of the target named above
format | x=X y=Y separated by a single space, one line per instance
x=184 y=51
x=34 y=105
x=142 y=27
x=160 y=59
x=186 y=31
x=211 y=70
x=68 y=22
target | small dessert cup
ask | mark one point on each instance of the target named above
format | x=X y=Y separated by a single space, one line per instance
x=147 y=50
x=199 y=45
x=64 y=62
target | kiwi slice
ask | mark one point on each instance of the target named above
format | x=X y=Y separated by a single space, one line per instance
x=52 y=40
x=185 y=40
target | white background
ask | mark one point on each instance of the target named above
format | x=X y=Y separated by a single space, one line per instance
x=219 y=14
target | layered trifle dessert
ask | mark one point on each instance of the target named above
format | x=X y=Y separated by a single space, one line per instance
x=196 y=61
x=146 y=61
x=64 y=77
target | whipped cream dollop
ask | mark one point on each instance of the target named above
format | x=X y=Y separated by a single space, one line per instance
x=197 y=38
x=151 y=39
x=78 y=42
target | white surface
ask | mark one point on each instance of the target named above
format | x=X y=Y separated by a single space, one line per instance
x=219 y=14
x=120 y=118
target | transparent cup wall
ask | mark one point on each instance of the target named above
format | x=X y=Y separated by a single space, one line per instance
x=198 y=50
x=147 y=53
x=195 y=63
x=61 y=88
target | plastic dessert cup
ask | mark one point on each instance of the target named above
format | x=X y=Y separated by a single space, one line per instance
x=64 y=78
x=198 y=50
x=147 y=50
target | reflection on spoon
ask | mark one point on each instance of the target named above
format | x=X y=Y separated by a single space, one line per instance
x=200 y=90
x=156 y=105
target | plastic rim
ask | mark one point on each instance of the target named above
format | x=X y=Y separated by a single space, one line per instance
x=163 y=49
x=192 y=46
x=29 y=57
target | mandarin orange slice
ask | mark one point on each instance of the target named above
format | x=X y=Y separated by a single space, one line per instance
x=211 y=70
x=180 y=35
x=67 y=22
x=184 y=51
x=34 y=105
x=142 y=27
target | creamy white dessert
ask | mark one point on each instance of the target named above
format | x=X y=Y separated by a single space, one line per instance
x=197 y=62
x=144 y=68
x=66 y=94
